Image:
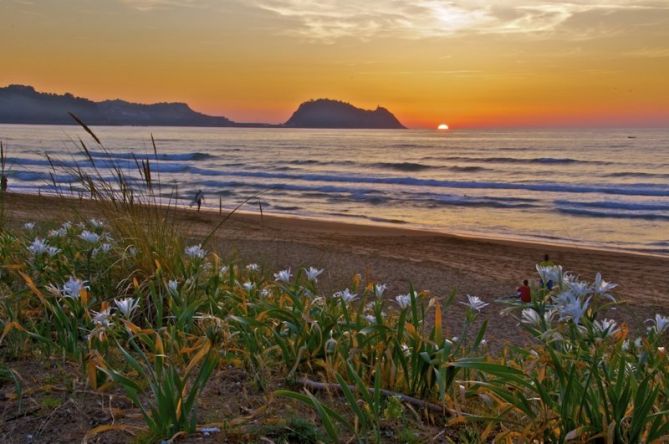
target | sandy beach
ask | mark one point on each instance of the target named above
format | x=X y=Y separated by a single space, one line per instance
x=439 y=263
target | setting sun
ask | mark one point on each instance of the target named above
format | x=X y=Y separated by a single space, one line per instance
x=442 y=126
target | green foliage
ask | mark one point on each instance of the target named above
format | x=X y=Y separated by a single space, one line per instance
x=174 y=382
x=159 y=335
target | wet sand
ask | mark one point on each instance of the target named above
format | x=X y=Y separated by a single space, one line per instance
x=440 y=263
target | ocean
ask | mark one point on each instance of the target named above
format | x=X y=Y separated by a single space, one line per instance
x=591 y=188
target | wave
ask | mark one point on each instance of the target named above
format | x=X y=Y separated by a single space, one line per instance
x=468 y=169
x=402 y=166
x=636 y=174
x=489 y=202
x=286 y=208
x=612 y=214
x=161 y=156
x=40 y=176
x=387 y=221
x=617 y=205
x=321 y=162
x=518 y=160
x=124 y=164
x=371 y=196
x=626 y=190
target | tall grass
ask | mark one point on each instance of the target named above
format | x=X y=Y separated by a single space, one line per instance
x=139 y=211
x=3 y=176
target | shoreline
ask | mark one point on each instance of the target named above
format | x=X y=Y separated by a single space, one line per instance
x=404 y=228
x=401 y=228
x=401 y=257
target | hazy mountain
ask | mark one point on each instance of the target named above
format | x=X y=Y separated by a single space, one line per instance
x=325 y=113
x=22 y=104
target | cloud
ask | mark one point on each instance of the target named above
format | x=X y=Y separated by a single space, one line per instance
x=148 y=5
x=330 y=20
x=650 y=53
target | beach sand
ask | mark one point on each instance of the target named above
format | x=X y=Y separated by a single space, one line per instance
x=439 y=263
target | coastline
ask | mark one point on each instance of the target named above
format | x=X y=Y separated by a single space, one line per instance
x=400 y=256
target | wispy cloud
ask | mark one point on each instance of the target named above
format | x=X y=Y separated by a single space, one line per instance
x=330 y=20
x=148 y=5
x=650 y=53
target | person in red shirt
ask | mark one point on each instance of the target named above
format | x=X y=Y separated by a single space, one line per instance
x=524 y=292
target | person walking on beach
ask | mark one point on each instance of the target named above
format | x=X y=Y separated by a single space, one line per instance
x=199 y=198
x=524 y=292
x=547 y=262
x=3 y=183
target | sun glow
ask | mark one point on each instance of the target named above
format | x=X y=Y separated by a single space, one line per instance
x=442 y=126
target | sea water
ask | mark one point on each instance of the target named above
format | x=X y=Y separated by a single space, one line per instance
x=594 y=188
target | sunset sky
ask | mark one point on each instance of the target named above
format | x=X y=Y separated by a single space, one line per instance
x=467 y=63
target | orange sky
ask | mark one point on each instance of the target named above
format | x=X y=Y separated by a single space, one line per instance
x=467 y=63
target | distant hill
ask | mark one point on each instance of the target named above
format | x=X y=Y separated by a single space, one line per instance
x=22 y=104
x=326 y=113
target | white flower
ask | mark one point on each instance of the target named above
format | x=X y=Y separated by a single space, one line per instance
x=248 y=286
x=89 y=236
x=550 y=273
x=379 y=289
x=72 y=288
x=403 y=300
x=530 y=316
x=565 y=297
x=206 y=431
x=313 y=273
x=370 y=318
x=660 y=324
x=252 y=267
x=265 y=293
x=573 y=309
x=101 y=318
x=104 y=248
x=52 y=251
x=61 y=232
x=224 y=269
x=66 y=225
x=126 y=306
x=195 y=251
x=173 y=286
x=475 y=303
x=132 y=251
x=602 y=288
x=606 y=327
x=95 y=223
x=38 y=246
x=578 y=288
x=29 y=226
x=405 y=349
x=346 y=296
x=283 y=275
